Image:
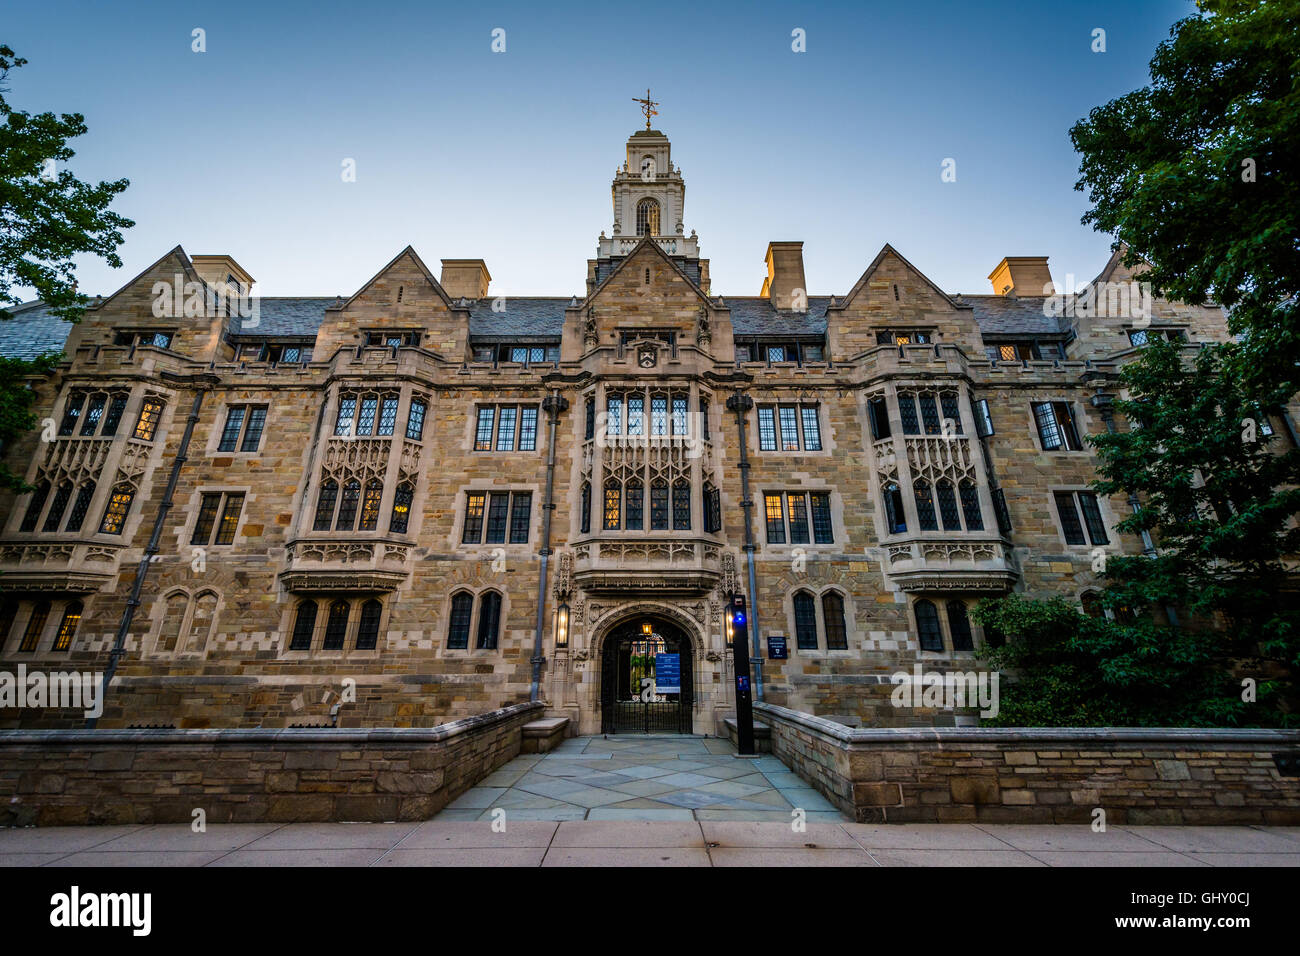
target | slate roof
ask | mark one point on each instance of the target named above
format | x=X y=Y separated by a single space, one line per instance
x=532 y=318
x=1004 y=315
x=284 y=317
x=522 y=318
x=32 y=331
x=754 y=315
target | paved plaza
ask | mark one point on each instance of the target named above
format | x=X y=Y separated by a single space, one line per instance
x=642 y=777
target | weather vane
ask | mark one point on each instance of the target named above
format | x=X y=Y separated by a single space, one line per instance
x=647 y=107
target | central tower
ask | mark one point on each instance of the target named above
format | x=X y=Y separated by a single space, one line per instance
x=649 y=199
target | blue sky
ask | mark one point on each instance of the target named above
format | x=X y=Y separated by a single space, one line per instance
x=466 y=153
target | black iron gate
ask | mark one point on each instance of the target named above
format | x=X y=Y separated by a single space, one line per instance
x=623 y=709
x=651 y=717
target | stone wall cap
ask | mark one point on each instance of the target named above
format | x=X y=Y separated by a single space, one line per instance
x=236 y=736
x=882 y=736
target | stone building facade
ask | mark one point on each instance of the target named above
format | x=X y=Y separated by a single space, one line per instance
x=412 y=504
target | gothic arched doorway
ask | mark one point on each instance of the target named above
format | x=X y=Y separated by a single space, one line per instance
x=646 y=671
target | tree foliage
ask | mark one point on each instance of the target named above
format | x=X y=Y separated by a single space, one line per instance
x=1197 y=174
x=16 y=415
x=1218 y=494
x=47 y=215
x=1070 y=670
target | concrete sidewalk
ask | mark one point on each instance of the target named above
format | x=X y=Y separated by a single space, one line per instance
x=646 y=843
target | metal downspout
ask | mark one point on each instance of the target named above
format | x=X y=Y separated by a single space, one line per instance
x=740 y=404
x=553 y=405
x=128 y=615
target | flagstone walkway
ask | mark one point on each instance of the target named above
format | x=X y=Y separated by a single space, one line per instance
x=643 y=778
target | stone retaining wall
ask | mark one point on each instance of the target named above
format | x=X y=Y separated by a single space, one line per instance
x=52 y=777
x=1041 y=775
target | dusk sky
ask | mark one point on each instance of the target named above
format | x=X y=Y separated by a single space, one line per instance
x=466 y=153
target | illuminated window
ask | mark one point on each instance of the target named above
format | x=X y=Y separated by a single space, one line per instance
x=35 y=625
x=647 y=218
x=1056 y=428
x=147 y=424
x=370 y=505
x=68 y=627
x=500 y=514
x=209 y=508
x=401 y=516
x=613 y=506
x=475 y=503
x=119 y=504
x=772 y=508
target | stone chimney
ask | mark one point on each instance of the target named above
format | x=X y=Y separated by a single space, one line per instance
x=219 y=271
x=465 y=277
x=1022 y=275
x=785 y=276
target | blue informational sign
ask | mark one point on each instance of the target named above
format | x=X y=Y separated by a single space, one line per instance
x=668 y=673
x=776 y=647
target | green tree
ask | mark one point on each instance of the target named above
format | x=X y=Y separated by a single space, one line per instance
x=1066 y=669
x=1218 y=495
x=1197 y=174
x=47 y=216
x=1214 y=604
x=16 y=416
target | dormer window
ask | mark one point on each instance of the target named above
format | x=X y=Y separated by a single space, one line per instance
x=291 y=353
x=1139 y=337
x=157 y=338
x=647 y=218
x=392 y=339
x=905 y=337
x=1031 y=350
